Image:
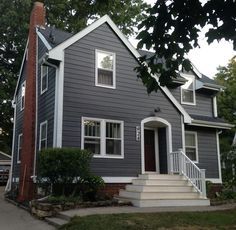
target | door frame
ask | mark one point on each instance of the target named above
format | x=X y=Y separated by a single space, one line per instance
x=156 y=149
x=168 y=139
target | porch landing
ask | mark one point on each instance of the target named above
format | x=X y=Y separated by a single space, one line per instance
x=160 y=190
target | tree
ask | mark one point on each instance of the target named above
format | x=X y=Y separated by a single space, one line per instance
x=172 y=30
x=226 y=76
x=69 y=15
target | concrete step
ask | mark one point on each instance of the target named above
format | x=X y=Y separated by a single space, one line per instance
x=170 y=202
x=159 y=182
x=160 y=188
x=56 y=221
x=160 y=176
x=158 y=195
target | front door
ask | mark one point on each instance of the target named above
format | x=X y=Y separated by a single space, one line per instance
x=149 y=148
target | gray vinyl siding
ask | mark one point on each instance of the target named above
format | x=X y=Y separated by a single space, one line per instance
x=46 y=101
x=129 y=102
x=207 y=150
x=203 y=105
x=19 y=123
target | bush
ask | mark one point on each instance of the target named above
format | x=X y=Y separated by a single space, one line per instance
x=63 y=166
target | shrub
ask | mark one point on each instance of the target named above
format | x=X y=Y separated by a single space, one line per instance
x=63 y=166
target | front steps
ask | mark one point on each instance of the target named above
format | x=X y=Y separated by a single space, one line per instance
x=159 y=190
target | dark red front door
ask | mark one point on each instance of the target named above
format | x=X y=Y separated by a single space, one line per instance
x=149 y=145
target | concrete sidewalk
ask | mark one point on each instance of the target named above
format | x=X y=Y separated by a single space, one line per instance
x=130 y=209
x=14 y=218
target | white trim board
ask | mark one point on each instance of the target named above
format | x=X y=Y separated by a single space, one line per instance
x=57 y=53
x=4 y=154
x=21 y=69
x=118 y=179
x=211 y=124
x=42 y=38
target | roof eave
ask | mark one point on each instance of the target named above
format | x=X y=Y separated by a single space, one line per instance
x=210 y=124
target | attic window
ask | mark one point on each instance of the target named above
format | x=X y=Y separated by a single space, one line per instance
x=188 y=90
x=105 y=69
x=22 y=96
x=44 y=78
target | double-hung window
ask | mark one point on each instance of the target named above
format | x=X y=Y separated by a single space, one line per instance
x=104 y=138
x=188 y=90
x=191 y=148
x=44 y=78
x=105 y=69
x=22 y=96
x=19 y=149
x=43 y=135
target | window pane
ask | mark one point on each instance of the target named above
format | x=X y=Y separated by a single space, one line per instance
x=19 y=155
x=44 y=82
x=190 y=139
x=43 y=144
x=44 y=131
x=113 y=130
x=92 y=128
x=191 y=153
x=105 y=77
x=44 y=70
x=187 y=96
x=23 y=95
x=92 y=144
x=105 y=61
x=113 y=147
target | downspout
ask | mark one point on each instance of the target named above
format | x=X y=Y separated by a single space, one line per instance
x=9 y=182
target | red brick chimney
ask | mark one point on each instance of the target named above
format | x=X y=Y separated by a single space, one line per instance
x=27 y=187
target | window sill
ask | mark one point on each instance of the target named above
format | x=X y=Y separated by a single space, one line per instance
x=105 y=86
x=187 y=103
x=109 y=156
x=42 y=92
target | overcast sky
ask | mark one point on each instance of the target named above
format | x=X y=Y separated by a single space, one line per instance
x=208 y=57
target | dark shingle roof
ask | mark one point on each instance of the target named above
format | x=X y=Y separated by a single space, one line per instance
x=206 y=118
x=59 y=35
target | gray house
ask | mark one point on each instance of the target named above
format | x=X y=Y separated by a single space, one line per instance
x=82 y=91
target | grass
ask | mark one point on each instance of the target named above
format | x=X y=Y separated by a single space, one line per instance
x=153 y=221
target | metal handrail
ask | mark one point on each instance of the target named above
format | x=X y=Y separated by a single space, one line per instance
x=181 y=164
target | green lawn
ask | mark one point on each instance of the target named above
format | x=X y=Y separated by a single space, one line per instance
x=161 y=221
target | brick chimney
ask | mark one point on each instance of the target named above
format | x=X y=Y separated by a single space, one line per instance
x=27 y=187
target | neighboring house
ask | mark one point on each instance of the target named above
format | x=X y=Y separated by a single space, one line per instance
x=5 y=164
x=82 y=91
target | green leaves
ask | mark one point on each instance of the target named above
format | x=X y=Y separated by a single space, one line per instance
x=172 y=30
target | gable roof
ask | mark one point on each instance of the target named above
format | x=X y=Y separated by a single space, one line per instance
x=57 y=53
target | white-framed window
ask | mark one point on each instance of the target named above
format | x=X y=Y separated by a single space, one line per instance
x=105 y=70
x=22 y=95
x=104 y=138
x=44 y=78
x=43 y=135
x=19 y=147
x=191 y=145
x=188 y=90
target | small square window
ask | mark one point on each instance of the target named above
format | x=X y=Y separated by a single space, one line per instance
x=191 y=149
x=43 y=135
x=19 y=150
x=22 y=96
x=44 y=78
x=105 y=69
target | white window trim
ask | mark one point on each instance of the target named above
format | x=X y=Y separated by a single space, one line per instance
x=96 y=69
x=196 y=141
x=103 y=137
x=18 y=145
x=23 y=83
x=43 y=90
x=194 y=91
x=40 y=132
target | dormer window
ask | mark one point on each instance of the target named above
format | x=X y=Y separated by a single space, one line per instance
x=188 y=90
x=44 y=78
x=105 y=69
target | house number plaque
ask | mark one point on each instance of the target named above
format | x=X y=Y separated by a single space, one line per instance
x=138 y=133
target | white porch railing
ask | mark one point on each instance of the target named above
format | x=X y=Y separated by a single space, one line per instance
x=181 y=164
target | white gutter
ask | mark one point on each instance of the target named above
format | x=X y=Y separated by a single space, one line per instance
x=211 y=124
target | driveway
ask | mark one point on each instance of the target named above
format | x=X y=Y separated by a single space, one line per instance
x=14 y=218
